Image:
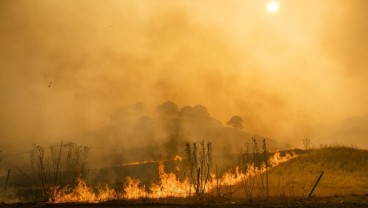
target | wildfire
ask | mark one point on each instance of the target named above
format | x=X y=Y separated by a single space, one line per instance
x=81 y=193
x=169 y=185
x=141 y=163
x=232 y=178
x=133 y=189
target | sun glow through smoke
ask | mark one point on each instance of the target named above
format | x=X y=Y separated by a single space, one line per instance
x=272 y=6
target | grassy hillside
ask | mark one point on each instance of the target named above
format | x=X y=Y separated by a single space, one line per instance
x=345 y=173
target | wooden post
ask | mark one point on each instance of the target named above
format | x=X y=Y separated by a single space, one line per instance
x=217 y=185
x=315 y=184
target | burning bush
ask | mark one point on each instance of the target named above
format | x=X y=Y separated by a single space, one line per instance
x=200 y=162
x=58 y=166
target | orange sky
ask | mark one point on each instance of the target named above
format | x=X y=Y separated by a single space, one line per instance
x=285 y=73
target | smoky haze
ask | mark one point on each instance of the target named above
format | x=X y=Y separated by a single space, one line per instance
x=67 y=67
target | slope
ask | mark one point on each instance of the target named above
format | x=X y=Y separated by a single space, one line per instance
x=345 y=173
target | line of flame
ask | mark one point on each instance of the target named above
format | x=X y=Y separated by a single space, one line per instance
x=168 y=185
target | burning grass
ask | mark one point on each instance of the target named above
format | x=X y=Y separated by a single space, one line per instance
x=168 y=186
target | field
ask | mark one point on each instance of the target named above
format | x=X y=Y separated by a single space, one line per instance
x=344 y=184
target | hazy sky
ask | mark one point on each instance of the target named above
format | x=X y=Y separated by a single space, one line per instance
x=67 y=66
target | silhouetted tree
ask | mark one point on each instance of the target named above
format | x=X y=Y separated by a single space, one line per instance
x=236 y=122
x=200 y=111
x=186 y=111
x=168 y=109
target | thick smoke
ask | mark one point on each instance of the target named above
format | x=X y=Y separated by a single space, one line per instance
x=70 y=68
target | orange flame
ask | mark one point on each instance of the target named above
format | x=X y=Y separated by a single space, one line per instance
x=168 y=185
x=81 y=193
x=133 y=189
x=230 y=178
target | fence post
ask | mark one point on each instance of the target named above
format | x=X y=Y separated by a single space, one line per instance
x=315 y=184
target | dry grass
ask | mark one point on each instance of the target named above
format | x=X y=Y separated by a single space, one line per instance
x=346 y=173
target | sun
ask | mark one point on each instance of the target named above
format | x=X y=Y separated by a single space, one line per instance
x=272 y=6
